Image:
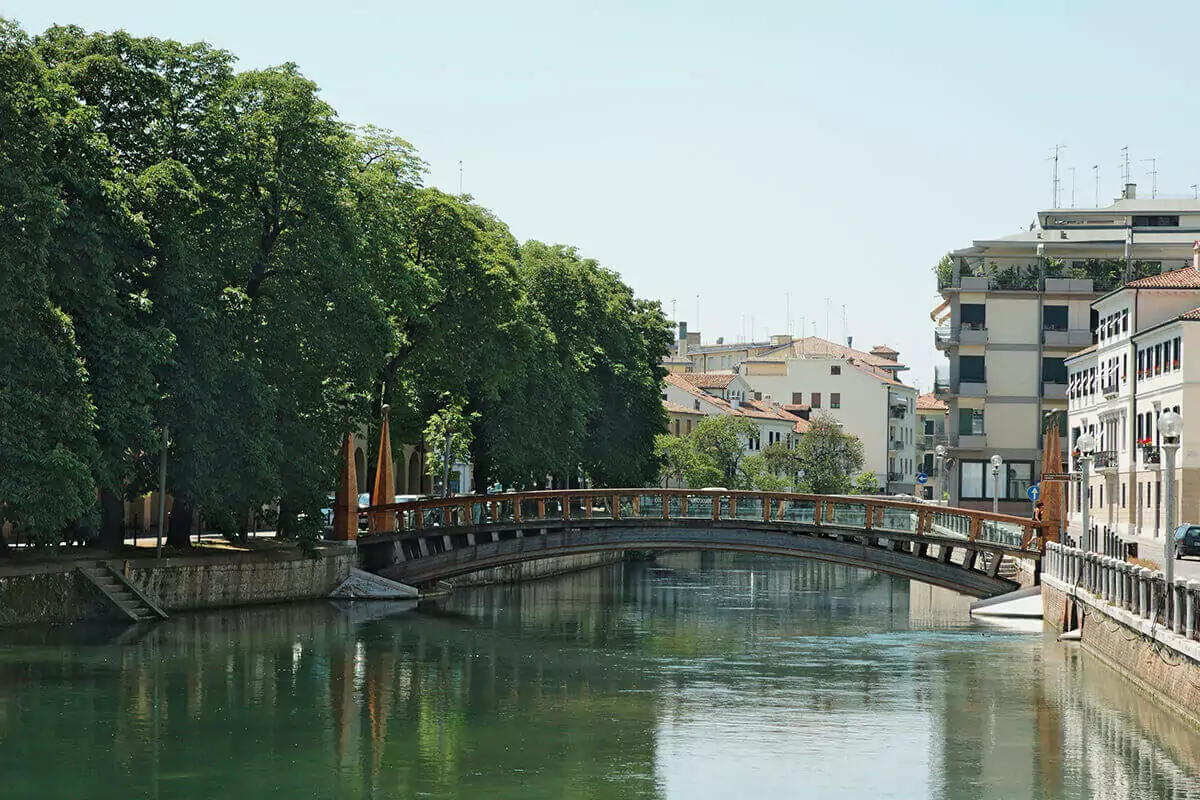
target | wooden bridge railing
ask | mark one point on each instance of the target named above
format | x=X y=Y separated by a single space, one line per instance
x=866 y=512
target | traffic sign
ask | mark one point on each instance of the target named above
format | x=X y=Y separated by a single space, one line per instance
x=922 y=478
x=1060 y=477
x=1034 y=493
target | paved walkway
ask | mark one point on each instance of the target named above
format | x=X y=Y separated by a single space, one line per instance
x=1151 y=548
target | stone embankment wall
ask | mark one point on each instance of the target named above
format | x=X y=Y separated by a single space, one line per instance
x=539 y=568
x=57 y=593
x=1129 y=619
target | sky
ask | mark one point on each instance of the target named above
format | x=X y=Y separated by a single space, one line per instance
x=752 y=163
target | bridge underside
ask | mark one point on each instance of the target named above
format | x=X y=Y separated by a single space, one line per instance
x=430 y=555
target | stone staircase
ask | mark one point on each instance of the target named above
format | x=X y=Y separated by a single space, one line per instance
x=122 y=594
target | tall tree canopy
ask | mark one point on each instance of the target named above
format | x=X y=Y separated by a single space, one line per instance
x=216 y=255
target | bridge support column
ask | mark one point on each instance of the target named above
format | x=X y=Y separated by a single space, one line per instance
x=345 y=502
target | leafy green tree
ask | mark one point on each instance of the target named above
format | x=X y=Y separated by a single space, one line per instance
x=865 y=483
x=46 y=417
x=681 y=462
x=828 y=457
x=448 y=435
x=721 y=438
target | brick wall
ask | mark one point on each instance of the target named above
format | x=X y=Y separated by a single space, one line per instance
x=1167 y=673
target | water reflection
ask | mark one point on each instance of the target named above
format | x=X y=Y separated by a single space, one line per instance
x=700 y=675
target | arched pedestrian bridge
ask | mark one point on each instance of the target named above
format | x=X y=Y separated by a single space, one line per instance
x=959 y=549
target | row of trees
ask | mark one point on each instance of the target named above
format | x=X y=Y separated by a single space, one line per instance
x=823 y=460
x=215 y=254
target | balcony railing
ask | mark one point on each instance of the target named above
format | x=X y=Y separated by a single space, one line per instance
x=1106 y=459
x=1151 y=454
x=1110 y=388
x=969 y=388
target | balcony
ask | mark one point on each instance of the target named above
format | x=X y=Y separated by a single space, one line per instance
x=945 y=337
x=1054 y=391
x=896 y=444
x=1151 y=454
x=1066 y=338
x=929 y=441
x=972 y=388
x=1105 y=461
x=895 y=477
x=969 y=441
x=972 y=334
x=1110 y=388
x=897 y=412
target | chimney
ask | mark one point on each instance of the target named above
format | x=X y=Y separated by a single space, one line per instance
x=1130 y=192
x=1196 y=255
x=682 y=350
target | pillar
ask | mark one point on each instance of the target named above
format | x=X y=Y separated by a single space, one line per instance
x=345 y=503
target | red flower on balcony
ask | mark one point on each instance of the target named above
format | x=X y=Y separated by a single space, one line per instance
x=1145 y=442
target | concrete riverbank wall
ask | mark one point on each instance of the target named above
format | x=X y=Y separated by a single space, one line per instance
x=539 y=568
x=1127 y=618
x=56 y=593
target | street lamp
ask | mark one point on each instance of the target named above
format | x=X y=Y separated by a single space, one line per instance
x=1170 y=425
x=997 y=463
x=1086 y=445
x=940 y=457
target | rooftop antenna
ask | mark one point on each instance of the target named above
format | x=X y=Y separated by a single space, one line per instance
x=1153 y=173
x=460 y=176
x=1057 y=149
x=1072 y=170
x=1096 y=173
x=673 y=318
x=697 y=312
x=1124 y=165
x=845 y=338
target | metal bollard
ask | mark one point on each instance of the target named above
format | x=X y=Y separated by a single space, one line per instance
x=1143 y=597
x=1152 y=590
x=1178 y=591
x=1193 y=589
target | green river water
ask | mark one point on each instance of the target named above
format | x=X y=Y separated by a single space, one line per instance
x=696 y=676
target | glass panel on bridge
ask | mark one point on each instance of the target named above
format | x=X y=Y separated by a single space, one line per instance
x=797 y=511
x=850 y=514
x=699 y=506
x=749 y=508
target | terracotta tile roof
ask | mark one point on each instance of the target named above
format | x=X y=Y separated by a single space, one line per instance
x=816 y=346
x=758 y=409
x=1193 y=314
x=801 y=426
x=1186 y=278
x=709 y=380
x=1091 y=348
x=676 y=408
x=792 y=408
x=929 y=402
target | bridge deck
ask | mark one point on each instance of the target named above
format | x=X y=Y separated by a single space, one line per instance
x=961 y=549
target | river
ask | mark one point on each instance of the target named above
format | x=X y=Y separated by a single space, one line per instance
x=696 y=676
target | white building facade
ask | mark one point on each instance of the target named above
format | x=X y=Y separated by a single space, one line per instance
x=1117 y=391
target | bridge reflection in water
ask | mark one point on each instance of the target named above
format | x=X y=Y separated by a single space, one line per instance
x=961 y=549
x=704 y=675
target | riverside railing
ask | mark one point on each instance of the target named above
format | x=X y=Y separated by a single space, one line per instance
x=866 y=512
x=1138 y=590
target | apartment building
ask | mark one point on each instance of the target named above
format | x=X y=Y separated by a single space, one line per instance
x=931 y=432
x=1015 y=308
x=860 y=390
x=1117 y=390
x=708 y=394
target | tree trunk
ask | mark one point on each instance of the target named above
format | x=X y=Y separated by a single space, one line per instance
x=285 y=528
x=179 y=529
x=112 y=520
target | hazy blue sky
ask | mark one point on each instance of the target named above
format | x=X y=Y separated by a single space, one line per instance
x=741 y=151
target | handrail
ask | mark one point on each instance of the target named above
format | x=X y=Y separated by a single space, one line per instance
x=616 y=504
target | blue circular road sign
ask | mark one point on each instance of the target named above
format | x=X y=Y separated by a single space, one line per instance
x=922 y=478
x=1034 y=492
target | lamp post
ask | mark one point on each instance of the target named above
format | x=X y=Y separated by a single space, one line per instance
x=1086 y=444
x=939 y=453
x=1170 y=425
x=997 y=463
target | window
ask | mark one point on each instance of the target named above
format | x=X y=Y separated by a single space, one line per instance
x=835 y=400
x=797 y=398
x=1157 y=359
x=687 y=426
x=836 y=369
x=971 y=480
x=973 y=316
x=1054 y=370
x=1054 y=318
x=816 y=400
x=1122 y=494
x=1125 y=320
x=1156 y=221
x=1175 y=363
x=676 y=427
x=970 y=421
x=971 y=369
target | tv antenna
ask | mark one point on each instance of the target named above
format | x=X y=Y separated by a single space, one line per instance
x=1153 y=173
x=1072 y=171
x=1058 y=148
x=460 y=176
x=1124 y=165
x=1096 y=174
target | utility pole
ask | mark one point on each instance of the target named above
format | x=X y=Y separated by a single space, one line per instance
x=1058 y=148
x=1153 y=173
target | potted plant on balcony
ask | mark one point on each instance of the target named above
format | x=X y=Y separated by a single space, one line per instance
x=1149 y=451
